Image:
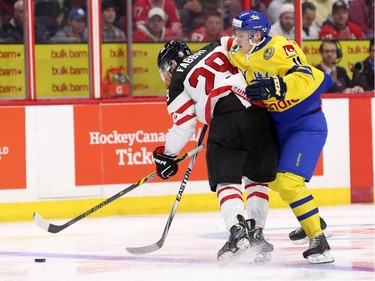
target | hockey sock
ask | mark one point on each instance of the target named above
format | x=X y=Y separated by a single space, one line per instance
x=292 y=190
x=257 y=201
x=230 y=202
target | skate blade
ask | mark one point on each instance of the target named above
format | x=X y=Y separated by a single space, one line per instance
x=325 y=257
x=327 y=233
x=229 y=256
x=306 y=240
x=301 y=241
x=261 y=249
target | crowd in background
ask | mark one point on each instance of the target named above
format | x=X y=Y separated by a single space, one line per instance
x=61 y=21
x=65 y=21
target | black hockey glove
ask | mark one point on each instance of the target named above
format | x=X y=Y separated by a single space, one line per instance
x=265 y=88
x=165 y=165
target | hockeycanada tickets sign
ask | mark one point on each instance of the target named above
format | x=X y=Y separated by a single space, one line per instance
x=127 y=138
x=126 y=156
x=114 y=143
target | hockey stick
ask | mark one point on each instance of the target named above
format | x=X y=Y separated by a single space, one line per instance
x=156 y=246
x=53 y=228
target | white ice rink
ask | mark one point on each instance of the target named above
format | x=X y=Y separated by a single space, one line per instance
x=94 y=249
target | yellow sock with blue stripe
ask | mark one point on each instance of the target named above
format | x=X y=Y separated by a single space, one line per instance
x=306 y=210
x=292 y=190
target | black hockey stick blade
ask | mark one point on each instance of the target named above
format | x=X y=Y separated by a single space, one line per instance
x=53 y=228
x=156 y=246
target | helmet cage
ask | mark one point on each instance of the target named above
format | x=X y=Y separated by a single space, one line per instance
x=165 y=66
x=166 y=71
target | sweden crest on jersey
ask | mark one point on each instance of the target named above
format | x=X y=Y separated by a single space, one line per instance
x=268 y=53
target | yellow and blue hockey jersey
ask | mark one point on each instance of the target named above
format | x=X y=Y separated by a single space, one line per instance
x=279 y=56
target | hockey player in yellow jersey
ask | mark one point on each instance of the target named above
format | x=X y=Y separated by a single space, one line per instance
x=279 y=76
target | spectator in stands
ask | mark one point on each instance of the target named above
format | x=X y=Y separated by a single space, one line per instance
x=340 y=27
x=67 y=5
x=323 y=10
x=273 y=10
x=363 y=71
x=6 y=8
x=266 y=2
x=259 y=5
x=141 y=8
x=110 y=33
x=192 y=5
x=191 y=15
x=75 y=31
x=212 y=29
x=122 y=15
x=47 y=18
x=209 y=6
x=154 y=29
x=361 y=12
x=310 y=30
x=1 y=27
x=13 y=30
x=233 y=8
x=331 y=55
x=285 y=25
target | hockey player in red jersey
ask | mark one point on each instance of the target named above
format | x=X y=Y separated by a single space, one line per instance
x=204 y=86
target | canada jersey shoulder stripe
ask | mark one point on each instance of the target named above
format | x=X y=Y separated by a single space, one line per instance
x=188 y=63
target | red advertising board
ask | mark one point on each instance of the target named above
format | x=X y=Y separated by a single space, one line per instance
x=114 y=143
x=12 y=148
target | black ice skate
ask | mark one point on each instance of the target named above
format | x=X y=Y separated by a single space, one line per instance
x=237 y=243
x=319 y=250
x=262 y=248
x=299 y=237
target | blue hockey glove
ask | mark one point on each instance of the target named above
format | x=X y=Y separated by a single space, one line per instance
x=265 y=88
x=165 y=165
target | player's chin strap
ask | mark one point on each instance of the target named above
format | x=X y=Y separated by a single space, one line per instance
x=256 y=44
x=253 y=46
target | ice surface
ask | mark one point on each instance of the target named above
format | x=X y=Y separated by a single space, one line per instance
x=94 y=249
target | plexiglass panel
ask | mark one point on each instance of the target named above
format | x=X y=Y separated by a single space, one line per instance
x=12 y=52
x=61 y=49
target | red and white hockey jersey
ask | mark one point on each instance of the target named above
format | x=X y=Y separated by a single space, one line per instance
x=199 y=81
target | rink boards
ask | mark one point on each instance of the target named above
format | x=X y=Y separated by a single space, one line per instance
x=61 y=160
